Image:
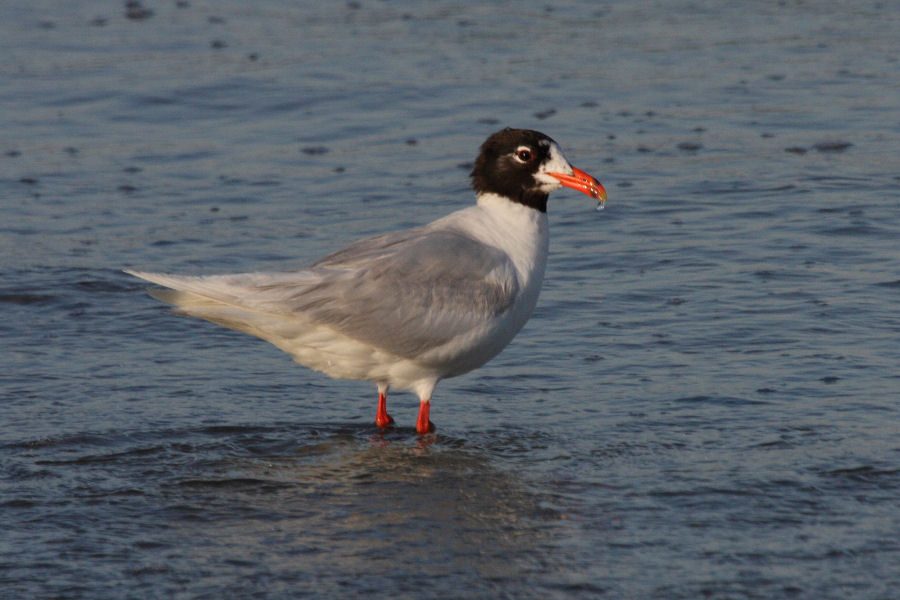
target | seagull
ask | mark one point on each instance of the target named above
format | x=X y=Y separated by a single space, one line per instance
x=407 y=309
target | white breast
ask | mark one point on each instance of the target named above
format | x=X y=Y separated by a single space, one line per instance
x=520 y=232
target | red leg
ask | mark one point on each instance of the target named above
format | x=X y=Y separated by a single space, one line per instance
x=423 y=425
x=382 y=419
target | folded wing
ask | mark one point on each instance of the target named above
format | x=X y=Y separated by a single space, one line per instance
x=405 y=293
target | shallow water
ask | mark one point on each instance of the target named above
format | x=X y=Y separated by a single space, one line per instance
x=703 y=405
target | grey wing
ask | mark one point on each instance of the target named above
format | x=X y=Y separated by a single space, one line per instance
x=411 y=295
x=405 y=292
x=367 y=250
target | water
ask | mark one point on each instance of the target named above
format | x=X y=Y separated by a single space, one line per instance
x=703 y=405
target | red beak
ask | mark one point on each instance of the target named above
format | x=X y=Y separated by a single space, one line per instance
x=584 y=183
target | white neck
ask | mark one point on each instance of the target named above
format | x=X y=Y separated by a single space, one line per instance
x=520 y=231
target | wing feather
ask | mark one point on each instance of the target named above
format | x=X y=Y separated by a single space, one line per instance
x=406 y=292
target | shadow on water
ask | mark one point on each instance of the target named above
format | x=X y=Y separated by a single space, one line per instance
x=335 y=509
x=361 y=508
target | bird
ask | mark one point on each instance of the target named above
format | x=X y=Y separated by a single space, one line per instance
x=408 y=308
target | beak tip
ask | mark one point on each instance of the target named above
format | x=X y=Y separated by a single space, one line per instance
x=584 y=183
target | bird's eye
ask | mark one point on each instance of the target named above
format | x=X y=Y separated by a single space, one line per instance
x=523 y=154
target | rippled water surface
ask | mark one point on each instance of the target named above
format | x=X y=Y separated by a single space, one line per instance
x=704 y=405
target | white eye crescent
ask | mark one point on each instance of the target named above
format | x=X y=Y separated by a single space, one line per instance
x=524 y=154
